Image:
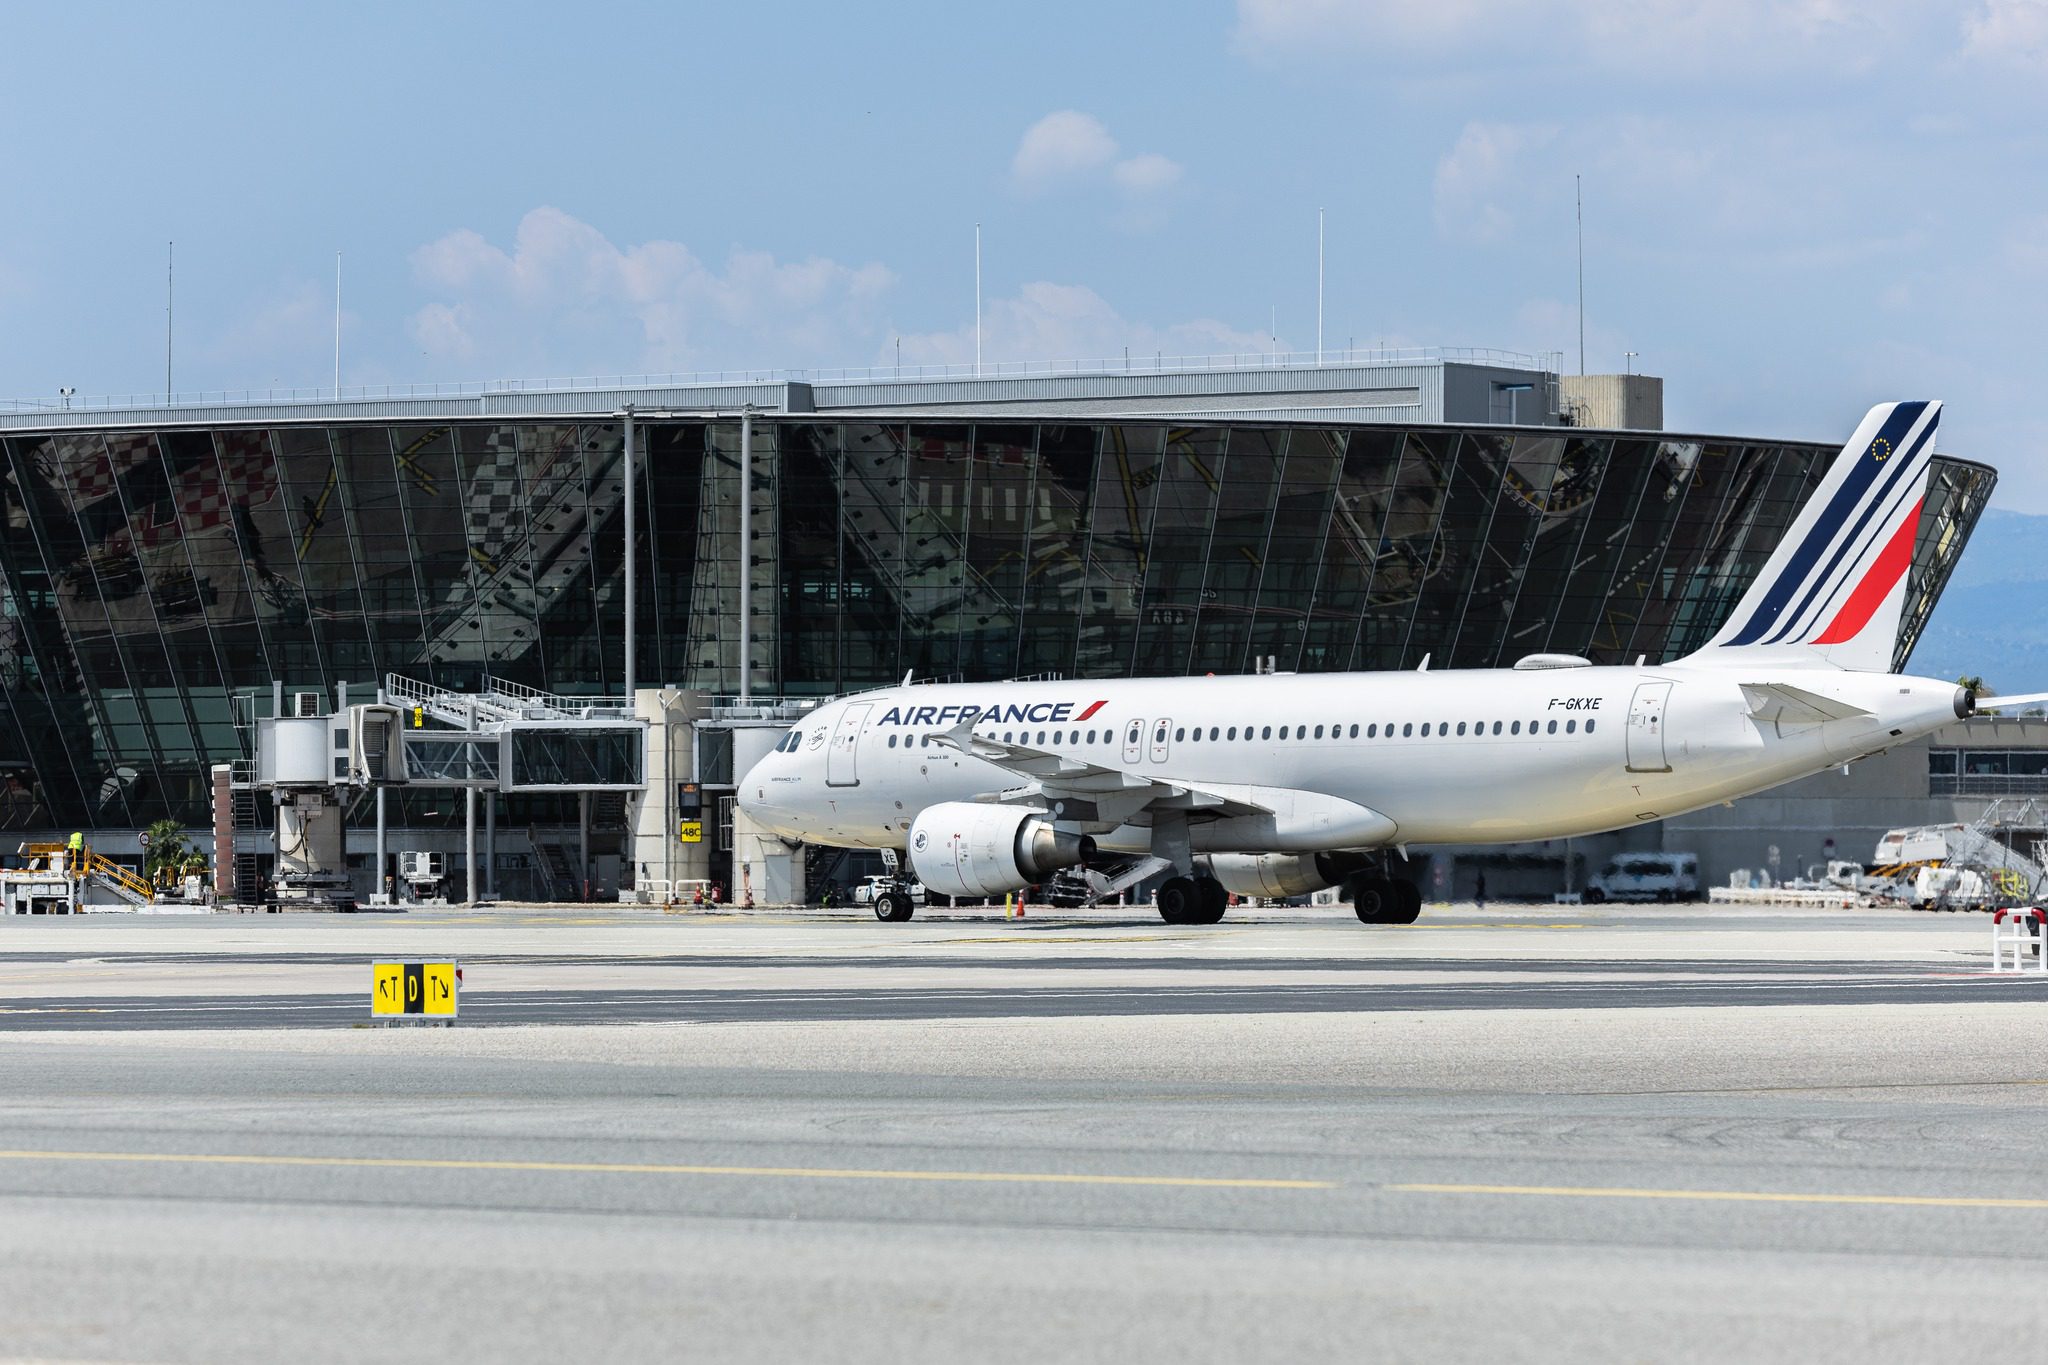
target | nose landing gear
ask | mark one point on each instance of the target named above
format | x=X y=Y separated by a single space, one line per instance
x=894 y=907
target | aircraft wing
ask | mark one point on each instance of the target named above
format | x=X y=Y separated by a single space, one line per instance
x=1785 y=704
x=1089 y=792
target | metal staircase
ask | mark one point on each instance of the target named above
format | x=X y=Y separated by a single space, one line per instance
x=1094 y=885
x=497 y=702
x=99 y=869
x=555 y=868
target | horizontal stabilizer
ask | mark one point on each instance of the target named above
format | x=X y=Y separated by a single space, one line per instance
x=2007 y=703
x=1783 y=704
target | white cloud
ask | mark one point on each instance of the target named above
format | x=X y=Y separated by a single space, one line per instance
x=1474 y=179
x=1072 y=150
x=1147 y=174
x=1062 y=146
x=1047 y=321
x=2008 y=33
x=655 y=305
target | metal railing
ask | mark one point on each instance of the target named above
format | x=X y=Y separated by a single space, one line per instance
x=1987 y=784
x=1156 y=363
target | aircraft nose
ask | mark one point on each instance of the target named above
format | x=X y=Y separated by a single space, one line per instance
x=753 y=802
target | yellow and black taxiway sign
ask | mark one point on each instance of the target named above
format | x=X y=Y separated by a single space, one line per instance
x=397 y=989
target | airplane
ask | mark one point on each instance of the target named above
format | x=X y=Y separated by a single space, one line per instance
x=1277 y=785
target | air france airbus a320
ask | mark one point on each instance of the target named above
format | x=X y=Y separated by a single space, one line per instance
x=1282 y=785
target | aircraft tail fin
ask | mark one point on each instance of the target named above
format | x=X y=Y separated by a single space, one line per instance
x=1832 y=592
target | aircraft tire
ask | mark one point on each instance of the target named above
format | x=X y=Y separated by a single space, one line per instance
x=1407 y=904
x=1178 y=900
x=1372 y=899
x=893 y=908
x=1211 y=899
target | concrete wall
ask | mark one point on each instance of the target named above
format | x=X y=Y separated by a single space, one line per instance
x=1616 y=402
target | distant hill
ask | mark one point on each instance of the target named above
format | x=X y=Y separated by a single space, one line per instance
x=1990 y=620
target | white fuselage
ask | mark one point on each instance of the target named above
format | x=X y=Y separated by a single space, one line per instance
x=1478 y=756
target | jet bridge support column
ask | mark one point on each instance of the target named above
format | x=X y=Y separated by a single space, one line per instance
x=490 y=845
x=469 y=881
x=378 y=886
x=583 y=842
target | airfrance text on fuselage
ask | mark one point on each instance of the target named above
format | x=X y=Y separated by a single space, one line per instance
x=1037 y=713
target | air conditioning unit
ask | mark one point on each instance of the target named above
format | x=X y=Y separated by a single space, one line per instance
x=303 y=705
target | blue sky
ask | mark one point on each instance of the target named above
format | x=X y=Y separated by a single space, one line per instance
x=1793 y=210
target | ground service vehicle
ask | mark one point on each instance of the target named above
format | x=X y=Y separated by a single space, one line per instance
x=1646 y=877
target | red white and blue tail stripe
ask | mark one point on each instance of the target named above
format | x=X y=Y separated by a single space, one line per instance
x=1832 y=592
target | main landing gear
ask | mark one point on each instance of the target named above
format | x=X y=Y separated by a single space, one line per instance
x=1381 y=900
x=1191 y=900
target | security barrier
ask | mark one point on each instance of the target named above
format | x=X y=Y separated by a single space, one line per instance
x=2018 y=928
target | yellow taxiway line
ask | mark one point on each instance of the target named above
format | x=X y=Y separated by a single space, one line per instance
x=640 y=1168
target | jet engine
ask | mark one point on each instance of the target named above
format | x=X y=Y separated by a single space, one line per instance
x=1276 y=875
x=964 y=848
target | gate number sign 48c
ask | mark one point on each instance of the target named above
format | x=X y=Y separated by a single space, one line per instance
x=432 y=989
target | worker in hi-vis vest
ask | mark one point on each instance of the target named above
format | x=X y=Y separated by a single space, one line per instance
x=75 y=862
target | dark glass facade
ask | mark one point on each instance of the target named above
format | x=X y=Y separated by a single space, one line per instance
x=147 y=575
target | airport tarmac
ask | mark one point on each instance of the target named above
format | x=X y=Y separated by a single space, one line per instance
x=1532 y=1132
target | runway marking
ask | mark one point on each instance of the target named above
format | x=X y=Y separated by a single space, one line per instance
x=1503 y=925
x=1040 y=938
x=637 y=1168
x=1729 y=1196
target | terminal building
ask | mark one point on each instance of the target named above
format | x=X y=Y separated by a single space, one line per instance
x=159 y=562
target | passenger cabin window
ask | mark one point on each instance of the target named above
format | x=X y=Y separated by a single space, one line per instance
x=1589 y=727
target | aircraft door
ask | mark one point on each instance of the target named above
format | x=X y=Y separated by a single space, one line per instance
x=840 y=769
x=1646 y=729
x=1161 y=730
x=1134 y=741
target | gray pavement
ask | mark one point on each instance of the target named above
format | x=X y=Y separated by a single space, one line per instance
x=1523 y=1133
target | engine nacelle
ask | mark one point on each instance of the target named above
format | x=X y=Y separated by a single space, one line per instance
x=964 y=848
x=1277 y=875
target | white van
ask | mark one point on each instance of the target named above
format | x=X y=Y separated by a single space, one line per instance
x=1646 y=877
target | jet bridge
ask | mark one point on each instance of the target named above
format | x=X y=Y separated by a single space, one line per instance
x=315 y=760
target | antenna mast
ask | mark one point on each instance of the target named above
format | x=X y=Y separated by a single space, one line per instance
x=170 y=305
x=1579 y=194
